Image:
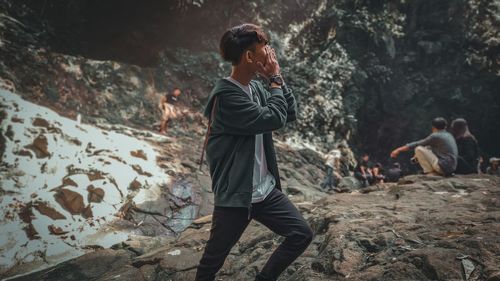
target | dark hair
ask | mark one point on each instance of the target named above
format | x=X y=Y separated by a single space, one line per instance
x=459 y=129
x=239 y=38
x=439 y=123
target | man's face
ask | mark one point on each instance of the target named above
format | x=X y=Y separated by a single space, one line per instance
x=177 y=92
x=366 y=158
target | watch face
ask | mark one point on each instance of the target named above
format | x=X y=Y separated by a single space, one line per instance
x=277 y=79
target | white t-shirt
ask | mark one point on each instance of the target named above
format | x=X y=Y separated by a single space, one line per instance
x=263 y=181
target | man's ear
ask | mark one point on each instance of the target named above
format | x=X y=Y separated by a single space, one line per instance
x=248 y=56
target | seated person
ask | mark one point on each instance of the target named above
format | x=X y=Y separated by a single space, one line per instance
x=377 y=174
x=394 y=173
x=441 y=156
x=493 y=169
x=361 y=172
x=468 y=149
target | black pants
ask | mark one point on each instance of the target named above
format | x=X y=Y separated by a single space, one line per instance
x=365 y=179
x=278 y=214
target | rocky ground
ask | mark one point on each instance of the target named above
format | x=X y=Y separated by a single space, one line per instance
x=70 y=187
x=421 y=228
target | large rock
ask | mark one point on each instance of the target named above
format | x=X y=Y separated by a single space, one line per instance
x=98 y=265
x=349 y=184
x=424 y=234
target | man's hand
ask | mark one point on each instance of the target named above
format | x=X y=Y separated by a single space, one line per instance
x=398 y=150
x=271 y=66
x=394 y=153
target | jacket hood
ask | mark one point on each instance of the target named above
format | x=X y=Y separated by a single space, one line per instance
x=222 y=87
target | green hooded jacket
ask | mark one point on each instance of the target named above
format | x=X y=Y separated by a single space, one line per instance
x=230 y=148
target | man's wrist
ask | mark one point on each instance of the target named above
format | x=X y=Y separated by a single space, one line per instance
x=276 y=79
x=275 y=85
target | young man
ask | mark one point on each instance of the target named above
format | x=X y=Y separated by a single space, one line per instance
x=362 y=171
x=167 y=107
x=441 y=158
x=241 y=155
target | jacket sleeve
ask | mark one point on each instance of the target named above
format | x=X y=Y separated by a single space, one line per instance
x=291 y=113
x=423 y=142
x=240 y=116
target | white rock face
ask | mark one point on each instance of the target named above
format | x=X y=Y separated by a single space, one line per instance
x=62 y=182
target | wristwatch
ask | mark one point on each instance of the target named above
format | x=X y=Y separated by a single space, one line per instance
x=276 y=79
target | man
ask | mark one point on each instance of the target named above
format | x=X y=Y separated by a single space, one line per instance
x=362 y=171
x=241 y=155
x=332 y=163
x=441 y=158
x=167 y=107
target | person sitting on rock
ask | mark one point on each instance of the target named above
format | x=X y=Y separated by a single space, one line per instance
x=167 y=107
x=377 y=172
x=332 y=163
x=242 y=116
x=468 y=149
x=394 y=173
x=493 y=169
x=441 y=156
x=362 y=171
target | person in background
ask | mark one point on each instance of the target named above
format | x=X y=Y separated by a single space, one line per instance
x=441 y=158
x=482 y=164
x=346 y=161
x=377 y=174
x=332 y=164
x=167 y=106
x=493 y=169
x=362 y=171
x=468 y=149
x=394 y=173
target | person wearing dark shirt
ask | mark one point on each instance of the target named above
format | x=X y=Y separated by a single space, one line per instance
x=174 y=97
x=362 y=171
x=394 y=173
x=441 y=158
x=167 y=106
x=468 y=149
